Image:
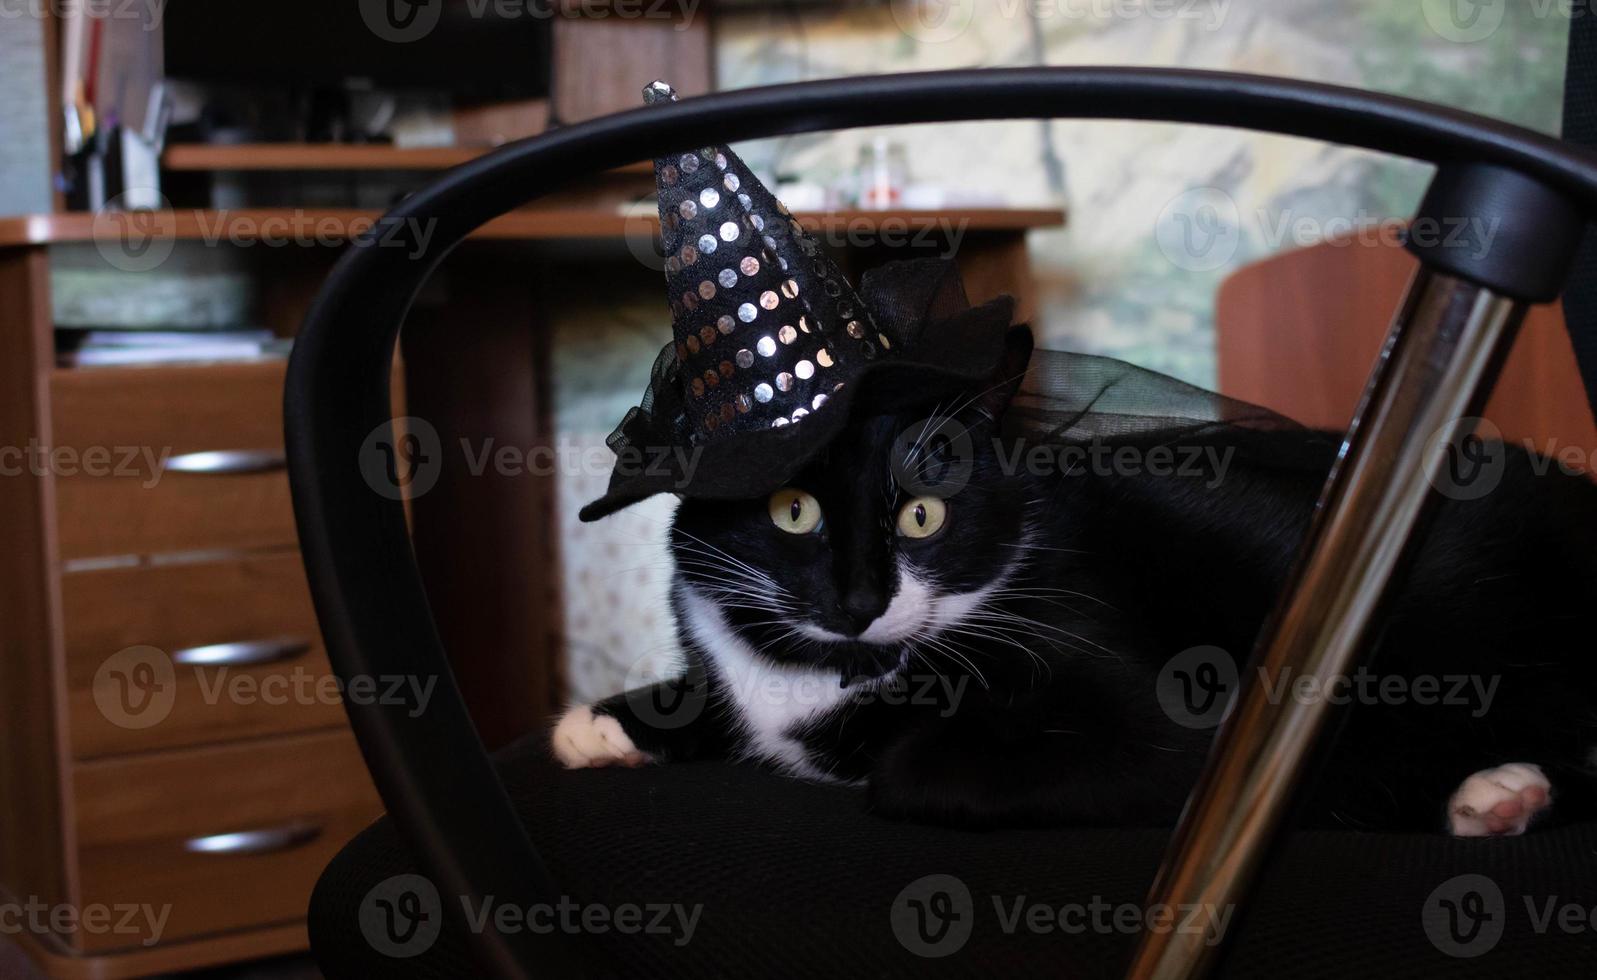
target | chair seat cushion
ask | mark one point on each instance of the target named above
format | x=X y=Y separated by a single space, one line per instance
x=715 y=869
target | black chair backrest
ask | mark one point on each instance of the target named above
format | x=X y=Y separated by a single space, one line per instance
x=430 y=767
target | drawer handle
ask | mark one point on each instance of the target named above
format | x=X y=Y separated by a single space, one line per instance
x=243 y=654
x=228 y=461
x=266 y=841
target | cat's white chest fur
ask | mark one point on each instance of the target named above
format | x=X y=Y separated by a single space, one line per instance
x=772 y=701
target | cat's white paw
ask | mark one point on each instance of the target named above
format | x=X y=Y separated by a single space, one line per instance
x=584 y=740
x=1499 y=802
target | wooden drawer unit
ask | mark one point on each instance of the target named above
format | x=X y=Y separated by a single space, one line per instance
x=237 y=638
x=175 y=742
x=170 y=459
x=228 y=838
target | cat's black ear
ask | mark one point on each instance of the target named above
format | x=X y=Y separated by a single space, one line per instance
x=1011 y=371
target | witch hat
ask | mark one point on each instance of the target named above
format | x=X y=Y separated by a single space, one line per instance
x=773 y=351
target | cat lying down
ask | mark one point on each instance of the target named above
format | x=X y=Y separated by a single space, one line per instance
x=1005 y=652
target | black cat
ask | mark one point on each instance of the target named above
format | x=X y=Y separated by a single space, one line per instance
x=1052 y=643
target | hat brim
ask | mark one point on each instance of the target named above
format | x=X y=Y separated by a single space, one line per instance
x=949 y=357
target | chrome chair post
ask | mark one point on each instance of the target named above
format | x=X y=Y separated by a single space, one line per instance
x=1442 y=354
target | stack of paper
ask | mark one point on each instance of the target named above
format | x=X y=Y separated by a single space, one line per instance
x=100 y=348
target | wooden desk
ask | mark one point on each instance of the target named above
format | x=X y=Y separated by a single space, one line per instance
x=93 y=812
x=205 y=157
x=300 y=225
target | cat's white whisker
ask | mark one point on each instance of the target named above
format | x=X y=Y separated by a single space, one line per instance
x=1046 y=601
x=1029 y=623
x=1030 y=631
x=1030 y=592
x=1023 y=546
x=937 y=645
x=677 y=530
x=985 y=632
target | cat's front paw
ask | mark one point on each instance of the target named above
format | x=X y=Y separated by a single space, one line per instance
x=584 y=740
x=1499 y=802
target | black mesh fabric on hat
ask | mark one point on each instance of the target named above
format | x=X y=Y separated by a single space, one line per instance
x=797 y=880
x=1074 y=398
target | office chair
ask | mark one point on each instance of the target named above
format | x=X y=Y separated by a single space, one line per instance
x=793 y=879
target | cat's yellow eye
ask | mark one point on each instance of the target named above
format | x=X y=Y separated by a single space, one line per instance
x=922 y=517
x=795 y=511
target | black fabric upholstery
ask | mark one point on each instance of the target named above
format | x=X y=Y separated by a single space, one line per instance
x=796 y=880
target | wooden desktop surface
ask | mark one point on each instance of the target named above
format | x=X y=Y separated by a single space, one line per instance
x=334 y=156
x=316 y=225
